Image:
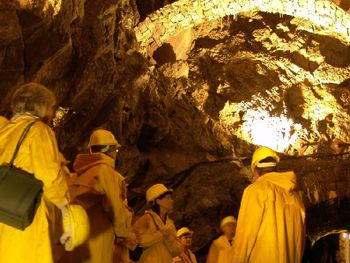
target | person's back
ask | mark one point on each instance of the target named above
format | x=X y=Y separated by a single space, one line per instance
x=271 y=221
x=98 y=187
x=38 y=155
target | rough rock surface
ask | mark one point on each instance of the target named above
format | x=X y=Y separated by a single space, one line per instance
x=191 y=115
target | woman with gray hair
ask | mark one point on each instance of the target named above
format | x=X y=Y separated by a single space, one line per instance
x=33 y=103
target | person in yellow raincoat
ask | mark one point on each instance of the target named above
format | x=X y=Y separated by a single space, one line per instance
x=157 y=231
x=38 y=155
x=3 y=122
x=271 y=221
x=99 y=188
x=221 y=247
x=122 y=245
x=185 y=235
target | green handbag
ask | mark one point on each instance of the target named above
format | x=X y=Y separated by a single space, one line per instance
x=20 y=192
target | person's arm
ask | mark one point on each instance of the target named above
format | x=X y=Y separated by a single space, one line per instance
x=249 y=220
x=46 y=164
x=111 y=183
x=147 y=237
x=213 y=254
x=172 y=243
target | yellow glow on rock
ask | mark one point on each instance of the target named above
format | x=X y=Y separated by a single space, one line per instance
x=49 y=7
x=260 y=128
x=264 y=120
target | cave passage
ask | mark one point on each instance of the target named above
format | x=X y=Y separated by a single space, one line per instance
x=185 y=92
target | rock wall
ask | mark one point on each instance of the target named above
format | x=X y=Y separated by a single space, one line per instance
x=173 y=112
x=184 y=14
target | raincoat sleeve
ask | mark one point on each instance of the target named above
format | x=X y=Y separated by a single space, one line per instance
x=47 y=166
x=213 y=254
x=148 y=237
x=172 y=243
x=249 y=221
x=112 y=186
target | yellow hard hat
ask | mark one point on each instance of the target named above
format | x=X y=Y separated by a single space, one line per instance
x=3 y=122
x=226 y=220
x=76 y=221
x=261 y=154
x=155 y=191
x=103 y=137
x=184 y=231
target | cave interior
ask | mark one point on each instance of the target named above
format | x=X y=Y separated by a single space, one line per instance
x=190 y=88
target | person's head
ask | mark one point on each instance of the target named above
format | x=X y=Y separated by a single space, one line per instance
x=160 y=198
x=35 y=99
x=228 y=226
x=185 y=236
x=264 y=161
x=103 y=141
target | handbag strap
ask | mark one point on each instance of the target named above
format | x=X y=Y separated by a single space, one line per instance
x=154 y=221
x=20 y=141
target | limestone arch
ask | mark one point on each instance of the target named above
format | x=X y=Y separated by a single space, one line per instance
x=184 y=14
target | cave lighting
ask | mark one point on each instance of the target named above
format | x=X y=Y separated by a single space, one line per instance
x=261 y=128
x=264 y=121
x=49 y=7
x=60 y=114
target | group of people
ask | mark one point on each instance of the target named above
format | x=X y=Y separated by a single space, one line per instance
x=270 y=225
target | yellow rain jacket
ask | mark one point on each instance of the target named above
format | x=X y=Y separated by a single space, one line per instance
x=186 y=257
x=219 y=250
x=38 y=155
x=121 y=251
x=157 y=248
x=271 y=222
x=98 y=188
x=3 y=122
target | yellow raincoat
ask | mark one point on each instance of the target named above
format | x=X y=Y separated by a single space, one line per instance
x=3 y=122
x=271 y=222
x=157 y=249
x=219 y=250
x=121 y=251
x=38 y=155
x=187 y=256
x=98 y=188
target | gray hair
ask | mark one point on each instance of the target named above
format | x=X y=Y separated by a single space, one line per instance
x=32 y=98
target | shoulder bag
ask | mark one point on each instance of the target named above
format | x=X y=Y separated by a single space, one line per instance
x=20 y=192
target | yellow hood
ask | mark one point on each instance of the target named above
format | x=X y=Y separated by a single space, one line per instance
x=84 y=162
x=286 y=180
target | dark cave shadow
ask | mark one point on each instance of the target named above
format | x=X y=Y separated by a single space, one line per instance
x=324 y=219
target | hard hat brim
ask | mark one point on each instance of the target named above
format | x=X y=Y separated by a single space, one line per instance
x=169 y=191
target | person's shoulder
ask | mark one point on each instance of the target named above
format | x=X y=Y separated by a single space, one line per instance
x=41 y=127
x=170 y=221
x=42 y=130
x=257 y=186
x=219 y=240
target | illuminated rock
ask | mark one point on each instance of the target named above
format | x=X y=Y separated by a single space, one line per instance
x=192 y=119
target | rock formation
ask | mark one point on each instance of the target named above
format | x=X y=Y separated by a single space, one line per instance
x=191 y=114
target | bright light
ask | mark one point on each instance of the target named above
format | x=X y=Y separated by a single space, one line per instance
x=260 y=128
x=60 y=114
x=265 y=130
x=264 y=121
